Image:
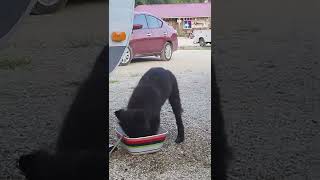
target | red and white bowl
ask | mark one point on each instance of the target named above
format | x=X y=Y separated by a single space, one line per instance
x=142 y=145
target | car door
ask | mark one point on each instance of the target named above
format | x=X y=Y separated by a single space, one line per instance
x=158 y=34
x=139 y=42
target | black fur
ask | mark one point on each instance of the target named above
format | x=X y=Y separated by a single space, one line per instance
x=81 y=147
x=82 y=164
x=142 y=116
x=222 y=154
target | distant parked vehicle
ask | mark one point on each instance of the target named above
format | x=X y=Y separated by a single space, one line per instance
x=151 y=36
x=202 y=37
x=48 y=6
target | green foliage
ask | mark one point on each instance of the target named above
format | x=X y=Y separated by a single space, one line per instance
x=11 y=63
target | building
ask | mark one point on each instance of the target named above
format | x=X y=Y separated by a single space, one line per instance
x=183 y=17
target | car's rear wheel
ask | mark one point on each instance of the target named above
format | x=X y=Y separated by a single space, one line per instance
x=166 y=53
x=202 y=42
x=126 y=57
x=48 y=6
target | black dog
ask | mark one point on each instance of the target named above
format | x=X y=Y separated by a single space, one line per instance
x=222 y=153
x=142 y=116
x=81 y=147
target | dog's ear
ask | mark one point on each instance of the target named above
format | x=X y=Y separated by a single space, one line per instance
x=36 y=165
x=144 y=116
x=118 y=113
x=147 y=122
x=28 y=161
x=25 y=162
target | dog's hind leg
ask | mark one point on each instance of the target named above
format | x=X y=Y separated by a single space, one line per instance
x=175 y=103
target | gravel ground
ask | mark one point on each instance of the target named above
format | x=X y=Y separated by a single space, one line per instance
x=42 y=67
x=268 y=72
x=267 y=60
x=184 y=41
x=51 y=63
x=189 y=160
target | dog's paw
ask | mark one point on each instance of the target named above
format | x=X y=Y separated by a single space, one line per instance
x=179 y=139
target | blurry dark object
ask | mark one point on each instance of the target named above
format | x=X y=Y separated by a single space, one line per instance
x=222 y=153
x=11 y=13
x=80 y=152
x=48 y=6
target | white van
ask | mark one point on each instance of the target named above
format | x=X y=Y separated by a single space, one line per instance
x=202 y=36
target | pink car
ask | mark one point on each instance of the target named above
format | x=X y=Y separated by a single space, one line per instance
x=151 y=36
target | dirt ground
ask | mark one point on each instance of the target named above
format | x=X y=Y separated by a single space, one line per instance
x=39 y=73
x=192 y=158
x=267 y=60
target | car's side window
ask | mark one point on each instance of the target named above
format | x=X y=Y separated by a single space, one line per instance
x=140 y=19
x=160 y=22
x=153 y=22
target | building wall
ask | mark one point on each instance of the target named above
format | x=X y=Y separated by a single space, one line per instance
x=196 y=23
x=201 y=23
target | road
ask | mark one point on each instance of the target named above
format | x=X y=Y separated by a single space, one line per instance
x=189 y=160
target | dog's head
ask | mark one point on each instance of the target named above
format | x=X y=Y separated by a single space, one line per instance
x=134 y=122
x=35 y=165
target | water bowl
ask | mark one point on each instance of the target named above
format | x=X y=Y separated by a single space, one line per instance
x=142 y=145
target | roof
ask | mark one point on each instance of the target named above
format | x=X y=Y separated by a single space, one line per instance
x=177 y=10
x=143 y=12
